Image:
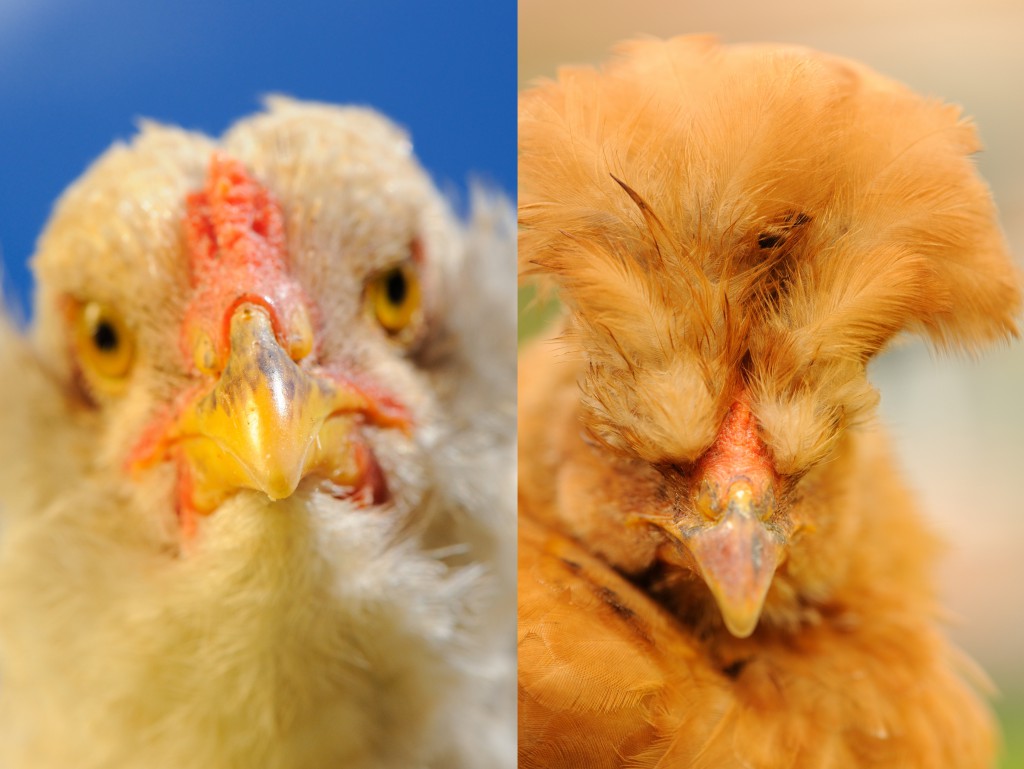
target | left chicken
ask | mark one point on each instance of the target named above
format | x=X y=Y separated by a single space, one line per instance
x=257 y=460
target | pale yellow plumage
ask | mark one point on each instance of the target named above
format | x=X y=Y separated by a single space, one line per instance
x=313 y=631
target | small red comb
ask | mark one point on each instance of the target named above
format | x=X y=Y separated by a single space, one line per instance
x=738 y=449
x=234 y=223
x=234 y=228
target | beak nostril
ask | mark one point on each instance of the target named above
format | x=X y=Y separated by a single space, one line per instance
x=299 y=334
x=204 y=355
x=294 y=333
x=707 y=502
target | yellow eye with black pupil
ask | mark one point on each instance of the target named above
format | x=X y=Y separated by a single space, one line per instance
x=394 y=297
x=103 y=343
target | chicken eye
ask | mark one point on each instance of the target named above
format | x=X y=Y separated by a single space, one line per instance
x=394 y=297
x=103 y=343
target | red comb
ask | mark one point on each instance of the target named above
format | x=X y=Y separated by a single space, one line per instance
x=738 y=449
x=233 y=223
x=234 y=229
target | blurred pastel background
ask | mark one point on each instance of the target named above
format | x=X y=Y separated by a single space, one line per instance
x=75 y=75
x=959 y=424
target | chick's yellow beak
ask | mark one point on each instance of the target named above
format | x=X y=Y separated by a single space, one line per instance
x=736 y=549
x=262 y=426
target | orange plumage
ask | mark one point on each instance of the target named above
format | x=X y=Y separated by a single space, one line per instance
x=719 y=564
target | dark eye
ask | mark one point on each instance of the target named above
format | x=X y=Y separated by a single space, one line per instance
x=397 y=287
x=394 y=297
x=103 y=344
x=105 y=337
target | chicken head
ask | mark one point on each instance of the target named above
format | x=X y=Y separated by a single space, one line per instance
x=250 y=517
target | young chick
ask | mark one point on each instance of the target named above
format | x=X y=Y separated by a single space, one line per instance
x=256 y=461
x=719 y=564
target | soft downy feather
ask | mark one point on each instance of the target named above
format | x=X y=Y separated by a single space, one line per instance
x=303 y=633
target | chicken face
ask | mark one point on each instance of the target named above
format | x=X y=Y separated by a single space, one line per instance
x=255 y=395
x=252 y=514
x=264 y=419
x=737 y=232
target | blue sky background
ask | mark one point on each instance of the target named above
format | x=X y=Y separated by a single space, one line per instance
x=76 y=74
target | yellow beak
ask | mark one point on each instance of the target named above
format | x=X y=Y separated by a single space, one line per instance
x=260 y=426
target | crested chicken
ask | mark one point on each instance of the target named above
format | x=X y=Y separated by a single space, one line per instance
x=719 y=565
x=256 y=460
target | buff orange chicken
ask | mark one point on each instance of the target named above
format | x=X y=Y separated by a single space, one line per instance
x=720 y=566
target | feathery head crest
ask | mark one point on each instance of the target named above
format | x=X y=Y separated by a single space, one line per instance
x=763 y=218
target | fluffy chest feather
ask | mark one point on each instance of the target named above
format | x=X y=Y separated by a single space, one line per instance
x=302 y=636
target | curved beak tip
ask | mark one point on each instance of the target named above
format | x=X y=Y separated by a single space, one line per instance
x=276 y=482
x=740 y=612
x=742 y=626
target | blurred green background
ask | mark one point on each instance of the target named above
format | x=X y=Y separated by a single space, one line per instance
x=958 y=424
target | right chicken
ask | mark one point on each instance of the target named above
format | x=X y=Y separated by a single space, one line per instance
x=720 y=565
